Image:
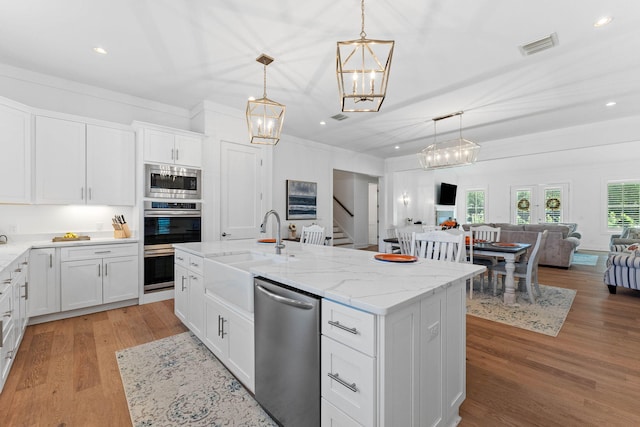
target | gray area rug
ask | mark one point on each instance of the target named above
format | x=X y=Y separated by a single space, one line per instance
x=177 y=381
x=546 y=316
x=584 y=259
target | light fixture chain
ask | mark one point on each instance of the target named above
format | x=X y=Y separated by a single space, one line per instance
x=264 y=93
x=362 y=33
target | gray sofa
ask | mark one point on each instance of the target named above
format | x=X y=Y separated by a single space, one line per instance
x=562 y=240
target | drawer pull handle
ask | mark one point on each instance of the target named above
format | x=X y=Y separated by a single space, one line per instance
x=354 y=331
x=102 y=252
x=336 y=377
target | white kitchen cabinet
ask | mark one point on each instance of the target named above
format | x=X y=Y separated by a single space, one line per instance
x=172 y=147
x=408 y=367
x=100 y=274
x=230 y=336
x=189 y=291
x=44 y=286
x=13 y=314
x=15 y=161
x=80 y=163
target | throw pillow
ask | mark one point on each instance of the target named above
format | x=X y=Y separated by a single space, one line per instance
x=633 y=249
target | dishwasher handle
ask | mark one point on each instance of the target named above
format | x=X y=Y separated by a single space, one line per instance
x=292 y=302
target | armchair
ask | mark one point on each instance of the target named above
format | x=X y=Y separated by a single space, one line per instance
x=629 y=236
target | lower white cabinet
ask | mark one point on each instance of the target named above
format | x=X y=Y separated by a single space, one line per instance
x=189 y=291
x=44 y=286
x=403 y=369
x=13 y=312
x=230 y=336
x=101 y=274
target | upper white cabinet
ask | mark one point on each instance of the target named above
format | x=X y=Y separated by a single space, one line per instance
x=80 y=163
x=15 y=161
x=172 y=147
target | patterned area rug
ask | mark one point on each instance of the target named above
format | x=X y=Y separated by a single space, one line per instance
x=546 y=316
x=584 y=259
x=177 y=381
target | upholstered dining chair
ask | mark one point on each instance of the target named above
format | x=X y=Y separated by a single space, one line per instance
x=488 y=234
x=526 y=269
x=312 y=235
x=439 y=245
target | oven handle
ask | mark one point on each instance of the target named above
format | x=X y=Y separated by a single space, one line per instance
x=161 y=213
x=149 y=253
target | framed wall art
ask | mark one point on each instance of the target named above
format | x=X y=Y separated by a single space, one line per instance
x=302 y=200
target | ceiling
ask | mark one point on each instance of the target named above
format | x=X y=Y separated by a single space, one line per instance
x=450 y=55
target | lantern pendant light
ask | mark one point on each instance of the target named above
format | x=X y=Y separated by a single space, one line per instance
x=362 y=68
x=451 y=153
x=264 y=116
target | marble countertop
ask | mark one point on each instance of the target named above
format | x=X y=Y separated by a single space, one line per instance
x=9 y=252
x=347 y=276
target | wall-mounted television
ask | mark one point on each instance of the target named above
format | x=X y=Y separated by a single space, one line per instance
x=447 y=194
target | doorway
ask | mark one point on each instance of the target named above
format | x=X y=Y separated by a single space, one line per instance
x=355 y=209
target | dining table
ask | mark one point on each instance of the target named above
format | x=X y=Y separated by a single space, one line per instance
x=509 y=252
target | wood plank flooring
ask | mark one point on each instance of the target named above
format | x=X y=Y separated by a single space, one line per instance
x=65 y=373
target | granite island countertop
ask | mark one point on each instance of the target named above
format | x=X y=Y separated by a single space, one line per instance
x=348 y=276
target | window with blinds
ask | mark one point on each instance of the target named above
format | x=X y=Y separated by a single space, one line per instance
x=475 y=210
x=623 y=204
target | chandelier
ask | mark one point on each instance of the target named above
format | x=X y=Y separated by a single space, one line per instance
x=264 y=116
x=446 y=154
x=362 y=67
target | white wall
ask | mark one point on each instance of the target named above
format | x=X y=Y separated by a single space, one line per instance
x=585 y=157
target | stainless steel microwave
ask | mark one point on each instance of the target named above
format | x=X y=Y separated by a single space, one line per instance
x=173 y=182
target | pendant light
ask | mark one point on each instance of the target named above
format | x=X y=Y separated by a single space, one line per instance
x=451 y=153
x=362 y=67
x=264 y=116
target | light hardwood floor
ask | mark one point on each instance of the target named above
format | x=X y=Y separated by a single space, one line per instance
x=65 y=373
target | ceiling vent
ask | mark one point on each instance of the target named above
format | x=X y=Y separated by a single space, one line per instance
x=539 y=45
x=340 y=117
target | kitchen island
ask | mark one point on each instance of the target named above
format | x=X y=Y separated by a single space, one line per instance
x=407 y=355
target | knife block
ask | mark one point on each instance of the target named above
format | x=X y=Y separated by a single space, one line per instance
x=121 y=231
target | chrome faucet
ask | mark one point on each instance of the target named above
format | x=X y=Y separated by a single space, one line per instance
x=263 y=229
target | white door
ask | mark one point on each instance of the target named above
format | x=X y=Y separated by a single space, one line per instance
x=539 y=204
x=240 y=191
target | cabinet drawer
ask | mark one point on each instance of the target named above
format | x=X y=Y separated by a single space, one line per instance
x=196 y=264
x=349 y=326
x=97 y=251
x=348 y=381
x=182 y=258
x=5 y=308
x=333 y=417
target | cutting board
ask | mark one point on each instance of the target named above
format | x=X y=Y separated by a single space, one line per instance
x=71 y=239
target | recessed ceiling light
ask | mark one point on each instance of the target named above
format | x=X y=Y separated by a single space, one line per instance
x=323 y=123
x=603 y=21
x=397 y=147
x=100 y=50
x=610 y=104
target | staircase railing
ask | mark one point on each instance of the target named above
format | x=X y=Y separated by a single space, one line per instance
x=343 y=206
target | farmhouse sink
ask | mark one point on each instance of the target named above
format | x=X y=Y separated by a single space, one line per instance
x=228 y=276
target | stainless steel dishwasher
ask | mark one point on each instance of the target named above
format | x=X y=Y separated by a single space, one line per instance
x=287 y=346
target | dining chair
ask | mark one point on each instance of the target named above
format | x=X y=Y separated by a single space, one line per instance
x=439 y=245
x=488 y=234
x=427 y=228
x=526 y=270
x=312 y=235
x=395 y=247
x=404 y=239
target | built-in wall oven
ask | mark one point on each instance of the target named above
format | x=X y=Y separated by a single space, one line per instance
x=166 y=223
x=172 y=182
